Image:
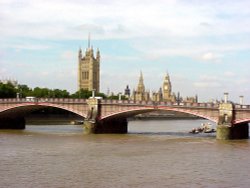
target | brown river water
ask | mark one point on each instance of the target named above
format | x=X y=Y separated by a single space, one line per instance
x=155 y=153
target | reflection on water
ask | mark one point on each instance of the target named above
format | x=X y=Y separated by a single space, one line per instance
x=153 y=154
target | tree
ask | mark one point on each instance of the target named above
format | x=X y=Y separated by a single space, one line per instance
x=24 y=90
x=41 y=92
x=116 y=97
x=83 y=94
x=7 y=90
x=57 y=93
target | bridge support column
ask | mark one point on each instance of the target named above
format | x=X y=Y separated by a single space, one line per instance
x=91 y=122
x=12 y=123
x=119 y=126
x=226 y=130
x=239 y=131
x=89 y=127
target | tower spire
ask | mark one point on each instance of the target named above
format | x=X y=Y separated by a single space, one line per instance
x=141 y=87
x=89 y=41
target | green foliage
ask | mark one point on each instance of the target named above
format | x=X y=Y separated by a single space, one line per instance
x=24 y=90
x=48 y=93
x=57 y=93
x=41 y=92
x=101 y=95
x=7 y=90
x=116 y=97
x=83 y=94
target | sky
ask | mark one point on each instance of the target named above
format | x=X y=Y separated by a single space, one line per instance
x=203 y=45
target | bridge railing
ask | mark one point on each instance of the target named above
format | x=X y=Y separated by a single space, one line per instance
x=183 y=104
x=120 y=102
x=238 y=106
x=42 y=100
x=62 y=100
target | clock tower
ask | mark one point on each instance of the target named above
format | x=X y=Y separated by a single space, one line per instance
x=167 y=88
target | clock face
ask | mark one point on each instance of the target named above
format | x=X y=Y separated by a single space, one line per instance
x=166 y=87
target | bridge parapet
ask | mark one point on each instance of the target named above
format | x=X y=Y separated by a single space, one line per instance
x=43 y=100
x=152 y=103
x=118 y=102
x=238 y=106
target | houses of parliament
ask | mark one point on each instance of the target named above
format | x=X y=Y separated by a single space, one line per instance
x=89 y=70
x=89 y=79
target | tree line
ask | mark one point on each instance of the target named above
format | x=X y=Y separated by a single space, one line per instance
x=8 y=90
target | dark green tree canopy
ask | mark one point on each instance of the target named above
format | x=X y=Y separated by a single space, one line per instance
x=10 y=91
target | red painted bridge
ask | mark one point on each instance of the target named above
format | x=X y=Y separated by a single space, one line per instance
x=96 y=110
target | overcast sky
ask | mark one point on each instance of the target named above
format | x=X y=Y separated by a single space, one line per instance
x=203 y=45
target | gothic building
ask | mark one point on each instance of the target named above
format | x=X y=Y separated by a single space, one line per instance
x=164 y=94
x=89 y=70
x=140 y=94
x=157 y=96
x=167 y=90
x=127 y=92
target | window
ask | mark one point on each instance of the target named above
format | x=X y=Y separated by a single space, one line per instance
x=85 y=75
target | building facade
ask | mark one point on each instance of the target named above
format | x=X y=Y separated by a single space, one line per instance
x=167 y=94
x=140 y=94
x=89 y=70
x=164 y=94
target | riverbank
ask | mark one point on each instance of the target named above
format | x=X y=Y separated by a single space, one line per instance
x=164 y=115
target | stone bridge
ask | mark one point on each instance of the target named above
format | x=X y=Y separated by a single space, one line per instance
x=110 y=116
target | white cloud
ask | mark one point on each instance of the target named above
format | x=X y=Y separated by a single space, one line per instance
x=229 y=74
x=207 y=85
x=121 y=18
x=209 y=56
x=208 y=82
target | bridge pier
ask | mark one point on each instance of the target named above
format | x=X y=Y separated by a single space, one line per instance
x=92 y=124
x=119 y=126
x=12 y=123
x=226 y=130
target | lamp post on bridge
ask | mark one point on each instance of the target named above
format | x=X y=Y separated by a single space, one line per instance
x=18 y=96
x=120 y=96
x=241 y=100
x=93 y=93
x=225 y=97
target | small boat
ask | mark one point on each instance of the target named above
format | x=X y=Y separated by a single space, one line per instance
x=204 y=128
x=210 y=131
x=194 y=131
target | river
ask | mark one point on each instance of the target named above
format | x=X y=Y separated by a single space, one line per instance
x=155 y=153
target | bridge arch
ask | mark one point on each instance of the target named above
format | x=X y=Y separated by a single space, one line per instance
x=240 y=121
x=132 y=112
x=25 y=108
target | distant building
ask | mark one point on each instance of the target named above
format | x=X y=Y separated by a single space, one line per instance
x=140 y=94
x=191 y=99
x=167 y=90
x=157 y=96
x=127 y=92
x=164 y=94
x=89 y=70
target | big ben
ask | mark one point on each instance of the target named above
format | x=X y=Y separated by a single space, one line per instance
x=167 y=88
